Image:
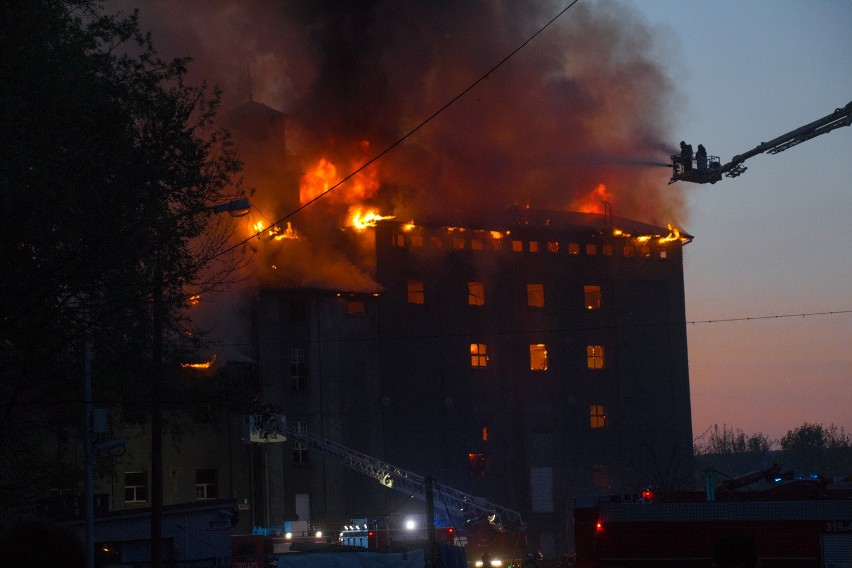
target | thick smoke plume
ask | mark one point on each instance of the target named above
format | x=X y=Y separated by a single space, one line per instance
x=577 y=116
x=584 y=103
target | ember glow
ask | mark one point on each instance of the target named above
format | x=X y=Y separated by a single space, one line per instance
x=204 y=365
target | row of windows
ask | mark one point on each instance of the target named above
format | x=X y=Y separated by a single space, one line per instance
x=479 y=357
x=136 y=485
x=643 y=250
x=538 y=356
x=476 y=294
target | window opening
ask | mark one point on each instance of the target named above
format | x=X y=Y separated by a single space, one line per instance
x=553 y=247
x=416 y=292
x=476 y=294
x=535 y=295
x=300 y=452
x=518 y=246
x=206 y=485
x=478 y=464
x=595 y=356
x=355 y=307
x=538 y=357
x=573 y=248
x=591 y=249
x=298 y=369
x=597 y=415
x=478 y=355
x=533 y=246
x=136 y=487
x=592 y=297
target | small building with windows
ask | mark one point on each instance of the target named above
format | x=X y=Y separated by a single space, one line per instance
x=525 y=359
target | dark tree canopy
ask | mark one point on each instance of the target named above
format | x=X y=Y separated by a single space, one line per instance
x=108 y=163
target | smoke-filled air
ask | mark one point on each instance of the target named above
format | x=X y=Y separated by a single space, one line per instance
x=577 y=116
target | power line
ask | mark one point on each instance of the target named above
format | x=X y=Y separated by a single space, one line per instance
x=582 y=328
x=412 y=131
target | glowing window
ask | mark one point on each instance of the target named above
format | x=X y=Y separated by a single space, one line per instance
x=553 y=247
x=573 y=248
x=535 y=295
x=458 y=243
x=485 y=433
x=629 y=250
x=476 y=294
x=597 y=416
x=607 y=250
x=478 y=464
x=355 y=307
x=538 y=357
x=496 y=244
x=135 y=486
x=592 y=297
x=416 y=292
x=645 y=251
x=437 y=242
x=533 y=246
x=517 y=246
x=476 y=244
x=398 y=240
x=664 y=253
x=478 y=355
x=591 y=249
x=595 y=356
x=416 y=240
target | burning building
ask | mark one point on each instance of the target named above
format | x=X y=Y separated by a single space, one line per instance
x=524 y=358
x=525 y=355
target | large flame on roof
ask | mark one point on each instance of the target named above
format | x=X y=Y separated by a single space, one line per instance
x=325 y=175
x=591 y=202
x=360 y=218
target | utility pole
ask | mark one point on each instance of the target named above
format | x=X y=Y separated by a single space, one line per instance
x=88 y=427
x=430 y=523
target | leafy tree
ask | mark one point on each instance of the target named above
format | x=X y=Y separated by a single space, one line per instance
x=108 y=165
x=814 y=448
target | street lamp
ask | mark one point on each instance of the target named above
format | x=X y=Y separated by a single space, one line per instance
x=236 y=208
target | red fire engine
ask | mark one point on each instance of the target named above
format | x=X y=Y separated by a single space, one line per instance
x=792 y=523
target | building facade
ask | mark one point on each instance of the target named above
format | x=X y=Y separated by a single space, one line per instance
x=525 y=359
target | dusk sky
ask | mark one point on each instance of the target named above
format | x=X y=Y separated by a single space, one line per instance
x=776 y=240
x=772 y=245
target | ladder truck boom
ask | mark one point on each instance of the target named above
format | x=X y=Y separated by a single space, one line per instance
x=709 y=169
x=402 y=480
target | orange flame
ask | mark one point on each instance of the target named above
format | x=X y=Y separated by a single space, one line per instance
x=591 y=203
x=204 y=365
x=360 y=219
x=324 y=175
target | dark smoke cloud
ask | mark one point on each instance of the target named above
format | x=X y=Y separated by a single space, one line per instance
x=592 y=84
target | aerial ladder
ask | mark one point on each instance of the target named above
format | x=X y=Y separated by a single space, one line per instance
x=405 y=481
x=500 y=523
x=687 y=167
